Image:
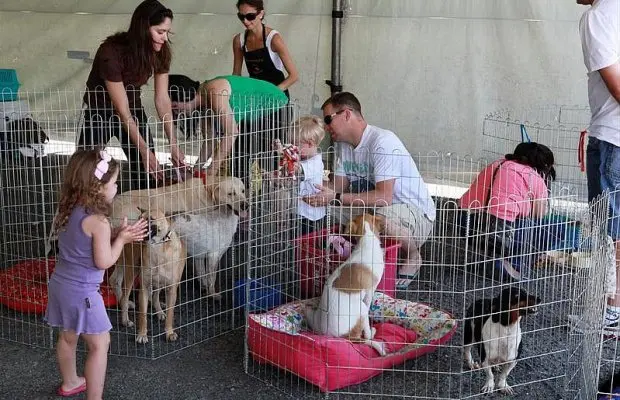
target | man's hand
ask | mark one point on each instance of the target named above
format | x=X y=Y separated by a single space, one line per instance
x=176 y=156
x=151 y=165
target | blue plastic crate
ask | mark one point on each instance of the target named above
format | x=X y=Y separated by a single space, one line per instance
x=263 y=295
x=9 y=85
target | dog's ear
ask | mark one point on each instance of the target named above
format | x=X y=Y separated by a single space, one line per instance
x=142 y=211
x=380 y=223
x=41 y=136
x=215 y=188
x=351 y=228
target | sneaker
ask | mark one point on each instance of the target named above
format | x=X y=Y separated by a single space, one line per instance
x=584 y=324
x=581 y=324
x=610 y=323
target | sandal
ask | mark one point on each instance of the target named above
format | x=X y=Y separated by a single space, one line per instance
x=403 y=283
x=69 y=393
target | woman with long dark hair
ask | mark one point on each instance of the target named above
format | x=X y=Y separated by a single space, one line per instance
x=507 y=203
x=123 y=64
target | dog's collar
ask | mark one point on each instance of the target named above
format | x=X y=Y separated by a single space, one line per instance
x=165 y=239
x=202 y=175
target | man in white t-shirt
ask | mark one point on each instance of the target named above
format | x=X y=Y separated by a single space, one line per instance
x=374 y=170
x=599 y=29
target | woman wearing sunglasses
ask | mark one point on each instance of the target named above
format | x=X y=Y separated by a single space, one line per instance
x=263 y=49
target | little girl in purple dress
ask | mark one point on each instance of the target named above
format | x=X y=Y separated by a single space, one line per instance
x=87 y=247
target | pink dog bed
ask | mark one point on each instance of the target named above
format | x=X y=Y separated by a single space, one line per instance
x=280 y=337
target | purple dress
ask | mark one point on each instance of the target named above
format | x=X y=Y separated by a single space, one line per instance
x=74 y=302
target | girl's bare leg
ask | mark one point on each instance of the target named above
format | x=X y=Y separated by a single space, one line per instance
x=65 y=355
x=96 y=364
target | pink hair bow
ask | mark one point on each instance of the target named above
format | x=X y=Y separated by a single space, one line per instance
x=103 y=165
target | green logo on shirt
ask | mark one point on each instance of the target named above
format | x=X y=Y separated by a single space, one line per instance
x=353 y=168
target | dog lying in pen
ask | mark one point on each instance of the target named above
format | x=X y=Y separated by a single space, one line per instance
x=494 y=326
x=208 y=236
x=159 y=262
x=343 y=307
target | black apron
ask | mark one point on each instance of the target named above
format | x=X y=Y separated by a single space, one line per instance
x=259 y=63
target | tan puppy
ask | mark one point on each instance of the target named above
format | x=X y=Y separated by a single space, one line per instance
x=355 y=230
x=160 y=262
x=343 y=308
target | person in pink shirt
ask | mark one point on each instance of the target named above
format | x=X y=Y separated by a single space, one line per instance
x=506 y=200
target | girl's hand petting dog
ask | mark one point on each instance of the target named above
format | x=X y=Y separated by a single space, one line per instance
x=134 y=232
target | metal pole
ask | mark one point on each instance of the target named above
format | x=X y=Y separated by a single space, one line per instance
x=337 y=16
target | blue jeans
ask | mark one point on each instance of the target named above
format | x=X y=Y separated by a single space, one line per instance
x=603 y=171
x=520 y=242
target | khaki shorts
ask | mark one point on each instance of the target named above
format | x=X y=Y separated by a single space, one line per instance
x=402 y=219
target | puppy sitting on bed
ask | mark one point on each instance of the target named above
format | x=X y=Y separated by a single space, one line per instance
x=343 y=308
x=494 y=326
x=355 y=230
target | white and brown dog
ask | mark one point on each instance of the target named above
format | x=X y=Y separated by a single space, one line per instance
x=159 y=261
x=343 y=307
x=494 y=326
x=208 y=236
x=355 y=230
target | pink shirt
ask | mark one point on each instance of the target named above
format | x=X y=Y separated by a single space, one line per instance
x=512 y=191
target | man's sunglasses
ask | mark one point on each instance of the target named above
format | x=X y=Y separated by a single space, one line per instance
x=329 y=118
x=248 y=16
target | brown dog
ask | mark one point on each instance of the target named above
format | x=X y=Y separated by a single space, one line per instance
x=160 y=262
x=355 y=228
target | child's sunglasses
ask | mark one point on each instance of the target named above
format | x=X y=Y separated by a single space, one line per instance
x=248 y=16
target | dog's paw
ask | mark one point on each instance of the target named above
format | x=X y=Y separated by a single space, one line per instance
x=161 y=316
x=172 y=336
x=373 y=332
x=473 y=365
x=488 y=387
x=127 y=323
x=142 y=338
x=505 y=388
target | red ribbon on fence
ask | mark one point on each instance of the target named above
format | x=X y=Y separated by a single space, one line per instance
x=581 y=156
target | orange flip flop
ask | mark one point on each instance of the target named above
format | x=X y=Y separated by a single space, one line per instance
x=72 y=392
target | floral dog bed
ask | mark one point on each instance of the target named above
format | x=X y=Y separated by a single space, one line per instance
x=280 y=337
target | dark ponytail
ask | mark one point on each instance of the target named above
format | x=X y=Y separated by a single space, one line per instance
x=537 y=156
